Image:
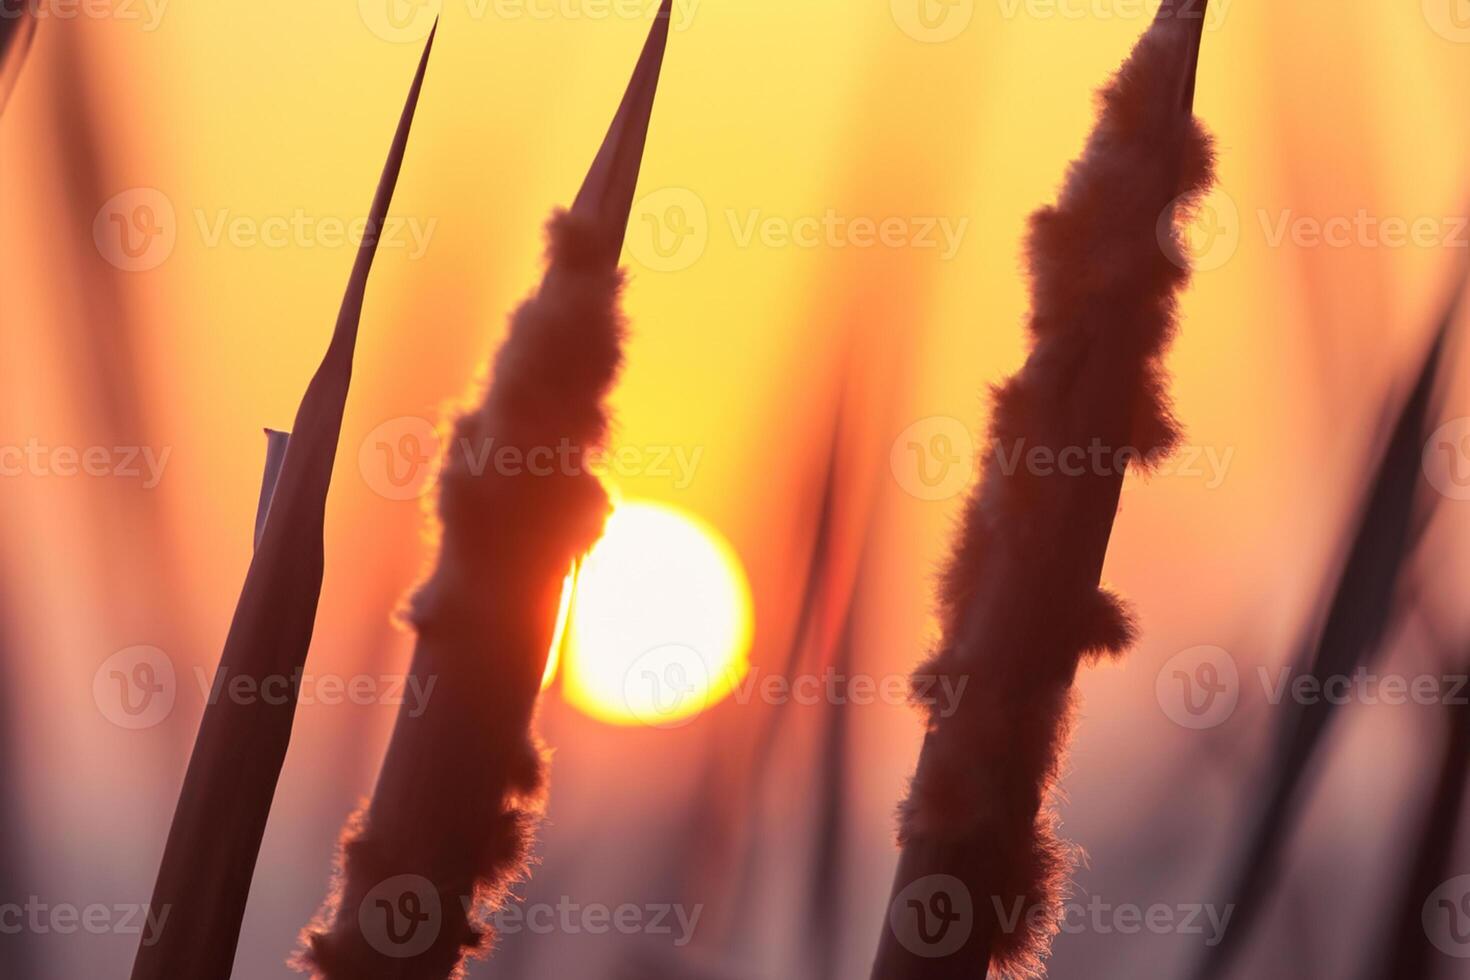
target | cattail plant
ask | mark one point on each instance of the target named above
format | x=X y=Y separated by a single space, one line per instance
x=1020 y=605
x=430 y=858
x=17 y=29
x=208 y=862
x=1359 y=611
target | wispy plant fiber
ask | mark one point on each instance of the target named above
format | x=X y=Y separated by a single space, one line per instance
x=1020 y=604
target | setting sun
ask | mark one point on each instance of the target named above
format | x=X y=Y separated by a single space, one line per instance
x=660 y=620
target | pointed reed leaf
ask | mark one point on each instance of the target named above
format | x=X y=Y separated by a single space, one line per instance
x=1021 y=605
x=449 y=825
x=1359 y=611
x=209 y=860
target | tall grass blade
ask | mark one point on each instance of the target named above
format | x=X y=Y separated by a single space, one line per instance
x=209 y=860
x=1359 y=612
x=449 y=825
x=1021 y=606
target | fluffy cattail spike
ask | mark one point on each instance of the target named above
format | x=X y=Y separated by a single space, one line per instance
x=449 y=827
x=983 y=868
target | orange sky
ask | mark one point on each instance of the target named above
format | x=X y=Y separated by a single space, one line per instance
x=777 y=127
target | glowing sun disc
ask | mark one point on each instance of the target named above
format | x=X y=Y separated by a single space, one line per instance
x=660 y=621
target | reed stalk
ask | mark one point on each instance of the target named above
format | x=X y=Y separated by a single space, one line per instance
x=1021 y=605
x=448 y=828
x=209 y=860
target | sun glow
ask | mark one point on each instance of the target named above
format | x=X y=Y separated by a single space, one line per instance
x=660 y=620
